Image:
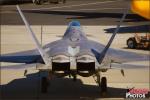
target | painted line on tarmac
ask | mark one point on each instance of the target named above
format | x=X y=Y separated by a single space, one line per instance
x=91 y=9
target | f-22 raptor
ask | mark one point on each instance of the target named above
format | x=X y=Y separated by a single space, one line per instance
x=72 y=55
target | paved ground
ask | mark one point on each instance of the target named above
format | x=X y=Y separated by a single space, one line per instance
x=88 y=12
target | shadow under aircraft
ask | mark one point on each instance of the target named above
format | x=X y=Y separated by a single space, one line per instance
x=130 y=29
x=60 y=88
x=89 y=15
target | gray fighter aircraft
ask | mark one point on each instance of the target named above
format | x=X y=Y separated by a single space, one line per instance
x=72 y=55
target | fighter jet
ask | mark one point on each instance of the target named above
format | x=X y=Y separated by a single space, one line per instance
x=72 y=55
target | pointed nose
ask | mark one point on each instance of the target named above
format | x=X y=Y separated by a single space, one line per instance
x=75 y=23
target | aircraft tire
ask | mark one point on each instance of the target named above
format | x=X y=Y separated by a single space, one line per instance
x=103 y=85
x=44 y=85
x=131 y=43
x=37 y=2
x=74 y=78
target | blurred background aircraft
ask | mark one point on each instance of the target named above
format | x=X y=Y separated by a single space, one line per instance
x=37 y=2
x=141 y=7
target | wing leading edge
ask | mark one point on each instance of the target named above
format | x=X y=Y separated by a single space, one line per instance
x=22 y=59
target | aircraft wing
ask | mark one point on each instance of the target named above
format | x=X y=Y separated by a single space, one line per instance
x=119 y=59
x=117 y=55
x=22 y=59
x=123 y=60
x=125 y=56
x=29 y=56
x=19 y=67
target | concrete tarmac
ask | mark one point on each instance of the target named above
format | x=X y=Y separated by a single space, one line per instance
x=88 y=12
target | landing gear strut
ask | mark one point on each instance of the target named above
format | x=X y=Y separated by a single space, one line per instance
x=98 y=79
x=102 y=83
x=74 y=78
x=44 y=84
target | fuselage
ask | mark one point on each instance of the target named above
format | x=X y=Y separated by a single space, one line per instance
x=73 y=52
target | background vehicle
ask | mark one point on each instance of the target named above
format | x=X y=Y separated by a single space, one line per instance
x=39 y=2
x=139 y=41
x=13 y=1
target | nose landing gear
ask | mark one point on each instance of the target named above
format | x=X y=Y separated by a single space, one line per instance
x=44 y=85
x=74 y=78
x=45 y=82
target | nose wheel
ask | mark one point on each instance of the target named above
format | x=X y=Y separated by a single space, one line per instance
x=74 y=78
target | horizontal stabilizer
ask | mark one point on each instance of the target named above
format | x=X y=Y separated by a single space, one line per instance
x=128 y=66
x=19 y=67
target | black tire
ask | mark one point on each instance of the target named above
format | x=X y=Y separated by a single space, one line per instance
x=74 y=78
x=131 y=43
x=103 y=85
x=38 y=2
x=44 y=85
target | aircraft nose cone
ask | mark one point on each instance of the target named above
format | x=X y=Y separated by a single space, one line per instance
x=75 y=23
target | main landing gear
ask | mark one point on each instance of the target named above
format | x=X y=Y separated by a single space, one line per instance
x=102 y=83
x=44 y=84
